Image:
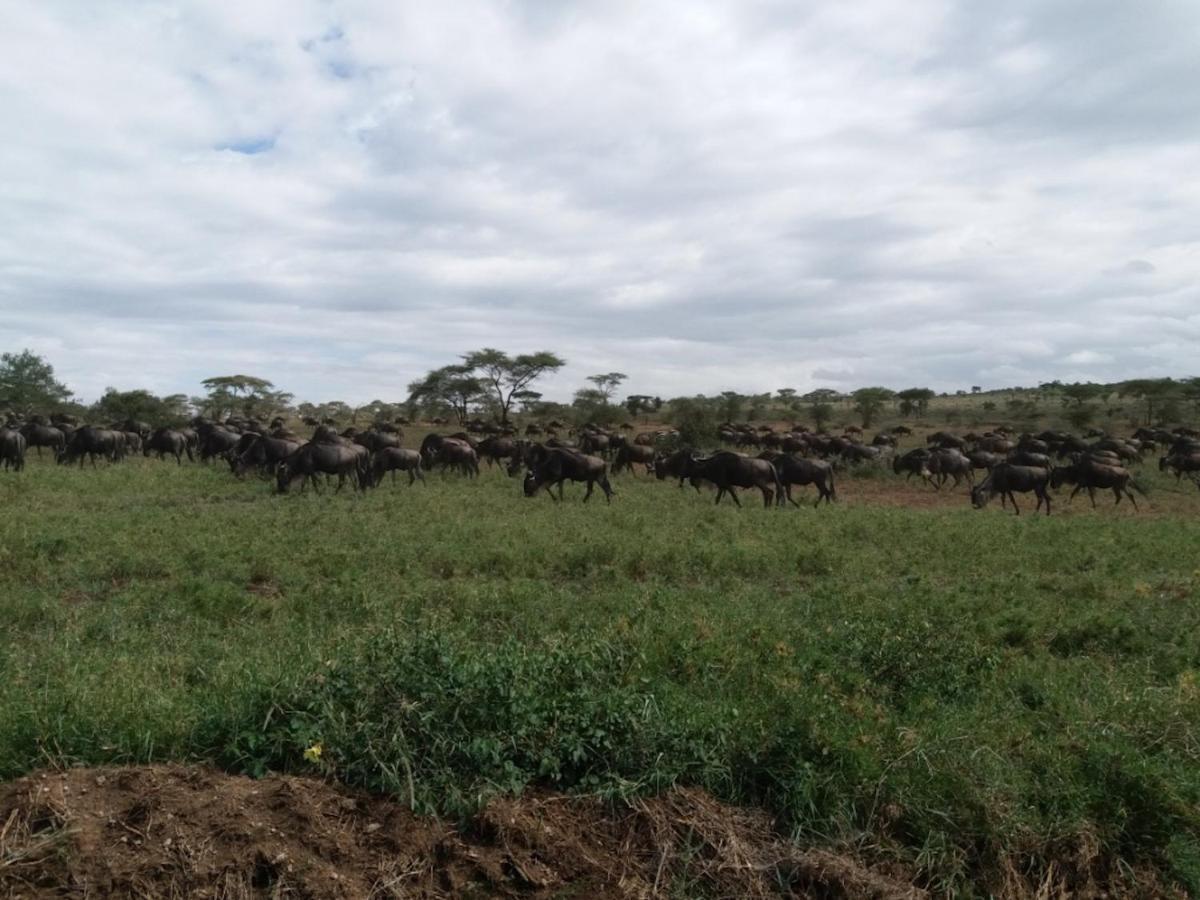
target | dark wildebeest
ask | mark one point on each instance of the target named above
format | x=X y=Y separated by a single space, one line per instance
x=496 y=448
x=92 y=442
x=396 y=459
x=1181 y=464
x=946 y=439
x=629 y=454
x=914 y=462
x=1090 y=474
x=39 y=436
x=984 y=459
x=168 y=440
x=729 y=470
x=1030 y=458
x=796 y=470
x=330 y=459
x=216 y=440
x=375 y=440
x=1007 y=480
x=449 y=452
x=557 y=465
x=946 y=462
x=12 y=449
x=263 y=453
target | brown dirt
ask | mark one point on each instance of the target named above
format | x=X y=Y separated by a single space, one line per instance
x=177 y=831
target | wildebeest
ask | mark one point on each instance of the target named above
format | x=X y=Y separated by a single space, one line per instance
x=947 y=462
x=168 y=440
x=449 y=452
x=261 y=452
x=12 y=449
x=1090 y=474
x=629 y=454
x=316 y=458
x=1030 y=458
x=40 y=435
x=1181 y=464
x=729 y=470
x=796 y=470
x=496 y=448
x=215 y=440
x=1007 y=480
x=555 y=466
x=914 y=462
x=396 y=459
x=92 y=442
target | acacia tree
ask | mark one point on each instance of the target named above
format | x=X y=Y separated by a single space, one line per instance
x=117 y=406
x=27 y=383
x=450 y=386
x=242 y=393
x=914 y=401
x=606 y=385
x=504 y=376
x=820 y=405
x=1154 y=392
x=869 y=401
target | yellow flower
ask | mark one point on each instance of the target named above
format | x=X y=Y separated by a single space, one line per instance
x=313 y=753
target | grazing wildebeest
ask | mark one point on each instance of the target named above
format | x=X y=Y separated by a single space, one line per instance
x=40 y=435
x=557 y=465
x=1090 y=474
x=396 y=459
x=330 y=459
x=12 y=449
x=92 y=442
x=729 y=470
x=262 y=452
x=1007 y=480
x=629 y=454
x=796 y=470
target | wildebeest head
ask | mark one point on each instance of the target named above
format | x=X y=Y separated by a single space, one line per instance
x=980 y=496
x=532 y=482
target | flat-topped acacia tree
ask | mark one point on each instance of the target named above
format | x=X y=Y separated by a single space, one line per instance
x=506 y=377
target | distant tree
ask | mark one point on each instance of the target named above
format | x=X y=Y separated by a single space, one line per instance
x=869 y=401
x=976 y=389
x=451 y=388
x=914 y=401
x=591 y=405
x=1154 y=392
x=27 y=384
x=729 y=405
x=244 y=394
x=760 y=406
x=788 y=399
x=143 y=406
x=820 y=405
x=696 y=420
x=504 y=376
x=607 y=384
x=639 y=403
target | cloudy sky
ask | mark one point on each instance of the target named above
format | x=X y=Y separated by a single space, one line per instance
x=749 y=195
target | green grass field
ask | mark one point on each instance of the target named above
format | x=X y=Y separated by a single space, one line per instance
x=967 y=692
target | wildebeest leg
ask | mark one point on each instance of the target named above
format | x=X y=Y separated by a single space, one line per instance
x=1129 y=494
x=1092 y=493
x=591 y=486
x=768 y=496
x=607 y=488
x=1078 y=488
x=1013 y=498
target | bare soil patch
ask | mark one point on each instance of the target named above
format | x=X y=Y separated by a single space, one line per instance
x=178 y=831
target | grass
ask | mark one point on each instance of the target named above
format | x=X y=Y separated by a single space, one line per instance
x=962 y=690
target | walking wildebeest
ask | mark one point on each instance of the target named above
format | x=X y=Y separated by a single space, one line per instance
x=495 y=449
x=39 y=436
x=168 y=440
x=394 y=459
x=629 y=454
x=92 y=442
x=1007 y=480
x=1089 y=474
x=729 y=470
x=264 y=453
x=798 y=470
x=12 y=449
x=557 y=465
x=331 y=459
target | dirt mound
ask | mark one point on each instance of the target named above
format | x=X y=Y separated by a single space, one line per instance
x=173 y=831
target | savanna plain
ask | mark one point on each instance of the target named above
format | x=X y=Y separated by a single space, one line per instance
x=986 y=703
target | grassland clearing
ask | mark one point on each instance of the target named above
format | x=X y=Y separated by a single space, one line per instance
x=983 y=699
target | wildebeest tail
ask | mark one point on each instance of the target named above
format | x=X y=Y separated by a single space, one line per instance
x=1138 y=486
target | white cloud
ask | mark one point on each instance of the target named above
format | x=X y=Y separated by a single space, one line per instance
x=341 y=195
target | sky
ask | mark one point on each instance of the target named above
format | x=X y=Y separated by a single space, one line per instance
x=750 y=195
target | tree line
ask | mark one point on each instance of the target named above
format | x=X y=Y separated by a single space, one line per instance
x=496 y=386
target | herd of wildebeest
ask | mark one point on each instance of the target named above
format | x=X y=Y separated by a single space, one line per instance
x=552 y=454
